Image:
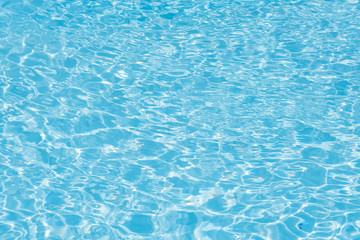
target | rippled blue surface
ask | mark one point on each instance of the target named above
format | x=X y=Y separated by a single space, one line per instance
x=180 y=119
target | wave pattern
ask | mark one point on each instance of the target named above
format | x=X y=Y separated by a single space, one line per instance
x=180 y=120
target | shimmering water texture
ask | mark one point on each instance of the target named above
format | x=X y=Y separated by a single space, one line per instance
x=180 y=120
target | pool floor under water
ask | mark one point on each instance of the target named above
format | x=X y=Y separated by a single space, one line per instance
x=180 y=119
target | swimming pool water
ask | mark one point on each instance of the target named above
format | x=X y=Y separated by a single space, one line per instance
x=180 y=119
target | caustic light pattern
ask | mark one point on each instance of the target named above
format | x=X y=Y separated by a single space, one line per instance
x=180 y=119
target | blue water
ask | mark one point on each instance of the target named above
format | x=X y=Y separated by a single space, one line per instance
x=180 y=119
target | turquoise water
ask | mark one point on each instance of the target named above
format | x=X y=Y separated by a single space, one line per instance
x=180 y=119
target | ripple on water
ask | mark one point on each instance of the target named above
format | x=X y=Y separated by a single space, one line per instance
x=179 y=120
